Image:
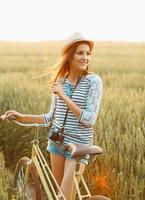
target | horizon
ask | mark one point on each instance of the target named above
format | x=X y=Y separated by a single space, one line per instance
x=97 y=41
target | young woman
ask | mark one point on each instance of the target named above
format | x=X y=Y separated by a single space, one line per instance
x=76 y=89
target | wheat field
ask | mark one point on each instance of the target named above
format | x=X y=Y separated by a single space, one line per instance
x=120 y=128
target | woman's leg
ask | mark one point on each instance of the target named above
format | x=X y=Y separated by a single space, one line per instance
x=57 y=166
x=67 y=181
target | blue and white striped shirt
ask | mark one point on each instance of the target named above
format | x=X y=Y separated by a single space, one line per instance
x=87 y=95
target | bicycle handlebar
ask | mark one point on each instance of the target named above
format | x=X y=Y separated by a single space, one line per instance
x=31 y=125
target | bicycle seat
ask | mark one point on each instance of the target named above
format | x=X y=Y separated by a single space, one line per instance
x=80 y=150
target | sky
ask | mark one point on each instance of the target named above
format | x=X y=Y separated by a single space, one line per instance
x=40 y=20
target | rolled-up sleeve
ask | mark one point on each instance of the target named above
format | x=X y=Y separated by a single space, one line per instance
x=48 y=116
x=88 y=116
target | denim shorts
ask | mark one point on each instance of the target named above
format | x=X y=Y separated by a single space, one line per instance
x=57 y=148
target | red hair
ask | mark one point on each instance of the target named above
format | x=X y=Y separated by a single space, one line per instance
x=62 y=68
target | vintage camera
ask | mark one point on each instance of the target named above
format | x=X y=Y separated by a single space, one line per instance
x=56 y=134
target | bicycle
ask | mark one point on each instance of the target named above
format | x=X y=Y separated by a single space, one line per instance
x=33 y=178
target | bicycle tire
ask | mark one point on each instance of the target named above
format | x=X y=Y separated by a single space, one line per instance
x=32 y=189
x=98 y=197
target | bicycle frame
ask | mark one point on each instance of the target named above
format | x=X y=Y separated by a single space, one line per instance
x=47 y=178
x=42 y=168
x=45 y=174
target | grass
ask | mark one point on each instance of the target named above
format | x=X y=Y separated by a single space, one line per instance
x=5 y=180
x=120 y=127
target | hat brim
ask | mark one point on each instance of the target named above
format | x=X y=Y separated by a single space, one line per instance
x=67 y=46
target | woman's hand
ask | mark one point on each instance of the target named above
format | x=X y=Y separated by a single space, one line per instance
x=11 y=115
x=58 y=89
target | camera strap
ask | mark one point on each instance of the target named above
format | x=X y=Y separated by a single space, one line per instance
x=62 y=128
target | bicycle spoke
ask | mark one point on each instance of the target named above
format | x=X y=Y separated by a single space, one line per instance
x=25 y=181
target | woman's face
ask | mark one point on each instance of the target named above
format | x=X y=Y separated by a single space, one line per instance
x=81 y=58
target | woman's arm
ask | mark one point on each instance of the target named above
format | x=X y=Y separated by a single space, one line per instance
x=48 y=116
x=24 y=118
x=86 y=116
x=57 y=89
x=29 y=118
x=72 y=106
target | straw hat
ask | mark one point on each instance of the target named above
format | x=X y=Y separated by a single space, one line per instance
x=75 y=37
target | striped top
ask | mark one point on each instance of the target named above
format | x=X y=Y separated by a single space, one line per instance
x=87 y=95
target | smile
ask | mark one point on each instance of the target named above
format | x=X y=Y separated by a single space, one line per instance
x=84 y=62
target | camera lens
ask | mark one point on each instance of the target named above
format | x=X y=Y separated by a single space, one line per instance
x=56 y=129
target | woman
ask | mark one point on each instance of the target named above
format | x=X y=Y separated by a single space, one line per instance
x=77 y=90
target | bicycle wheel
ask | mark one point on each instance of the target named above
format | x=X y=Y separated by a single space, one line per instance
x=98 y=197
x=30 y=190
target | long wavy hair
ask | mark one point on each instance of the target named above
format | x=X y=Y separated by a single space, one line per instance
x=61 y=69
